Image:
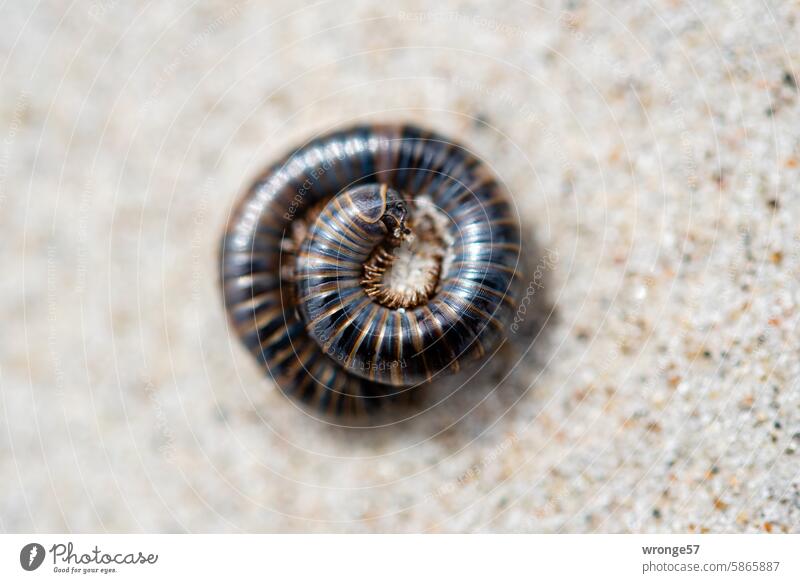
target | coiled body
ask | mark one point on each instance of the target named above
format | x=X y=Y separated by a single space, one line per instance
x=311 y=278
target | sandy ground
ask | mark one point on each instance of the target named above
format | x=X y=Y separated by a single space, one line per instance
x=653 y=149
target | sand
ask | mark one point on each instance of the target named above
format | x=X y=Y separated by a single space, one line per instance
x=653 y=150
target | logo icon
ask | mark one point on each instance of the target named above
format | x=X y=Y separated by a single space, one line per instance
x=31 y=556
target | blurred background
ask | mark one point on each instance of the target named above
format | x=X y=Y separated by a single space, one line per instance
x=653 y=148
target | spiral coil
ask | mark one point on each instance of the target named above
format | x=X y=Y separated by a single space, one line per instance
x=369 y=261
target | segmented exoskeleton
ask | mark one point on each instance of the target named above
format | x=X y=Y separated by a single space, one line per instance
x=312 y=280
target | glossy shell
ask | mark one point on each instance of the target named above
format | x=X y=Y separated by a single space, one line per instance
x=300 y=306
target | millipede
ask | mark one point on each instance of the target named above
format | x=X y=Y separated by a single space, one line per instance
x=369 y=262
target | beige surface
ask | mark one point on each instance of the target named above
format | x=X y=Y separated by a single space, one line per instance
x=654 y=149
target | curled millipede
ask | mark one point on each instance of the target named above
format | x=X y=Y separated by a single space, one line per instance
x=369 y=261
